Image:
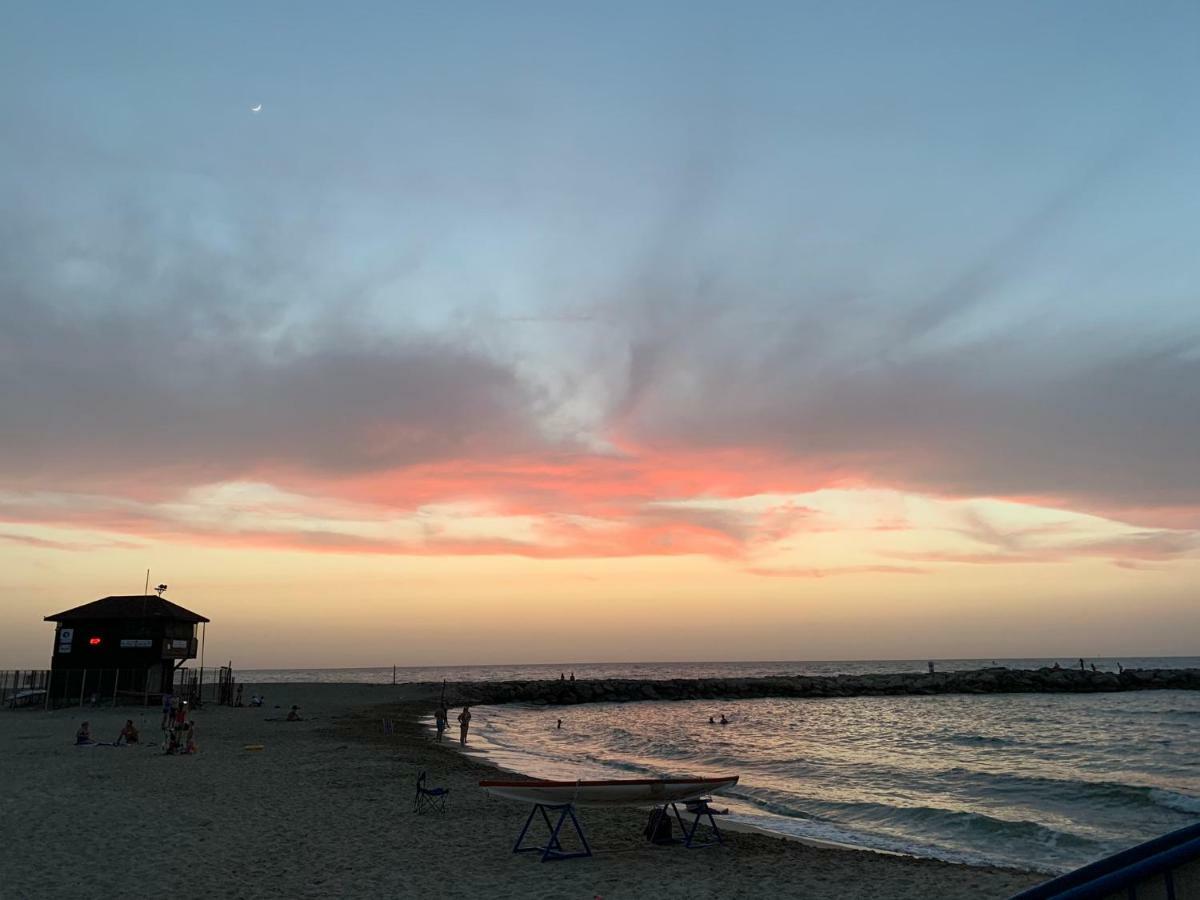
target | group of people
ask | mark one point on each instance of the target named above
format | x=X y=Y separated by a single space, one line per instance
x=128 y=735
x=724 y=721
x=179 y=731
x=441 y=716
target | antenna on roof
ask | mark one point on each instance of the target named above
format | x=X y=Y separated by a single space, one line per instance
x=146 y=592
x=160 y=589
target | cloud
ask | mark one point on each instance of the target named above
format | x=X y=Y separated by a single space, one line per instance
x=143 y=354
x=831 y=571
x=41 y=543
x=199 y=373
x=1058 y=542
x=1105 y=425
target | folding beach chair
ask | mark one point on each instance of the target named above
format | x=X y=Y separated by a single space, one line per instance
x=429 y=799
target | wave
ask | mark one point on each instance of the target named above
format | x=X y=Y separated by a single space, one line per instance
x=917 y=819
x=975 y=740
x=951 y=835
x=1184 y=803
x=1107 y=792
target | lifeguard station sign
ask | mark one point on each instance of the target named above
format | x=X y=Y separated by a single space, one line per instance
x=137 y=642
x=65 y=637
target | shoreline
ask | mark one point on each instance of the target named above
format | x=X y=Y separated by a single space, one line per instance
x=324 y=808
x=481 y=757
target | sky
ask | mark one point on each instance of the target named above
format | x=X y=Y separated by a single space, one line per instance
x=602 y=332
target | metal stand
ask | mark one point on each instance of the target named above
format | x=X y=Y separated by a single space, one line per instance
x=701 y=810
x=553 y=848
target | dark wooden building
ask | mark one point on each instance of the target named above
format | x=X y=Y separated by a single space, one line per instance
x=128 y=644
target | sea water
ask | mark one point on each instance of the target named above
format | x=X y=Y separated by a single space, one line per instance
x=1043 y=781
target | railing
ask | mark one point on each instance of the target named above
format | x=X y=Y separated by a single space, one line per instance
x=1166 y=867
x=56 y=689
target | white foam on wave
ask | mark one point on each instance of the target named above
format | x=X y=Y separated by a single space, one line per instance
x=1183 y=803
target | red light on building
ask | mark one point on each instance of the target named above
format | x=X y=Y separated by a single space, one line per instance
x=94 y=641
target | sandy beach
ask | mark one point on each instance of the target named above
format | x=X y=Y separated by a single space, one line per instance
x=324 y=809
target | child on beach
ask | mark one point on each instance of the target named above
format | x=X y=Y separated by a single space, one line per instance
x=464 y=722
x=439 y=718
x=129 y=734
x=84 y=735
x=294 y=714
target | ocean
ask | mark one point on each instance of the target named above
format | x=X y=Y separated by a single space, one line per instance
x=1042 y=781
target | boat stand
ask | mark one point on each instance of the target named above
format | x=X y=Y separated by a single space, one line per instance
x=701 y=809
x=553 y=848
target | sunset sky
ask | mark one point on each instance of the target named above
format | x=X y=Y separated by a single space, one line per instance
x=544 y=332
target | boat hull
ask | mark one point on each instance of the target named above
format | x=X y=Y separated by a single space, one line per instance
x=618 y=792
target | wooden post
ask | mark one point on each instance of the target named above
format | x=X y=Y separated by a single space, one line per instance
x=49 y=684
x=146 y=689
x=393 y=674
x=116 y=684
x=82 y=687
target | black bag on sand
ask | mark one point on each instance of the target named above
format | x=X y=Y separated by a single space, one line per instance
x=658 y=828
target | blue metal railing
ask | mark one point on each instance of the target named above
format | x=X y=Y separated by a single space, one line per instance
x=1124 y=871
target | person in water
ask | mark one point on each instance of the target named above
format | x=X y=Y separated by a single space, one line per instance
x=711 y=721
x=559 y=725
x=464 y=722
x=129 y=734
x=439 y=719
x=724 y=721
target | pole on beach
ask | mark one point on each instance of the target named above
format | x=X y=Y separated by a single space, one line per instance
x=393 y=674
x=116 y=684
x=82 y=685
x=49 y=682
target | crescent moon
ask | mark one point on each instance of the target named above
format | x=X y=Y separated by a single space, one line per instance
x=256 y=108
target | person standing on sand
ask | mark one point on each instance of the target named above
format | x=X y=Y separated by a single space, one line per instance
x=464 y=722
x=439 y=718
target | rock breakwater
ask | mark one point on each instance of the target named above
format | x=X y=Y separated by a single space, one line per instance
x=998 y=680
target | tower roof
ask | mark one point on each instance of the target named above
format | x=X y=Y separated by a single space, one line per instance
x=136 y=606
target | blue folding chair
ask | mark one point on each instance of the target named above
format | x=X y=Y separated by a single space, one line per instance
x=430 y=799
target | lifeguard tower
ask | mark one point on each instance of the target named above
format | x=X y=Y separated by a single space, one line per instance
x=129 y=644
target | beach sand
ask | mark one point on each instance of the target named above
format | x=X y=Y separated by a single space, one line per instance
x=324 y=809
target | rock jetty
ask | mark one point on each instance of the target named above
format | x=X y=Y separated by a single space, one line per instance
x=997 y=680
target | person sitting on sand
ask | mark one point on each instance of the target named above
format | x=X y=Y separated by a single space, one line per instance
x=294 y=714
x=129 y=734
x=84 y=735
x=464 y=722
x=190 y=746
x=439 y=718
